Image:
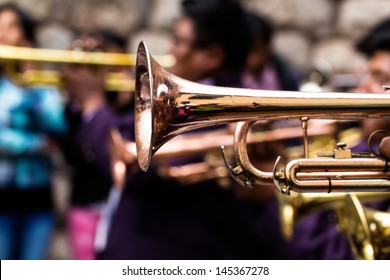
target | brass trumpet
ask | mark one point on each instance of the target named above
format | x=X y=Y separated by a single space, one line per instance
x=166 y=105
x=10 y=54
x=368 y=230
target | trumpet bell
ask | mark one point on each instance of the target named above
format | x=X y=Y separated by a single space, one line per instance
x=143 y=107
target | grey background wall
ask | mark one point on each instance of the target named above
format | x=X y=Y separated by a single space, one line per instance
x=307 y=31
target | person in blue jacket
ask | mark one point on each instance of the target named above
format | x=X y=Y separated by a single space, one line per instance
x=30 y=120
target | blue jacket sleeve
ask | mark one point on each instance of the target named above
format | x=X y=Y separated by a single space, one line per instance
x=49 y=111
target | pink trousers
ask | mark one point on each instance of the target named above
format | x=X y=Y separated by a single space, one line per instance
x=82 y=224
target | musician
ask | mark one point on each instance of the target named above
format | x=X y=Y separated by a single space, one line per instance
x=317 y=236
x=376 y=46
x=85 y=147
x=264 y=68
x=162 y=219
x=30 y=120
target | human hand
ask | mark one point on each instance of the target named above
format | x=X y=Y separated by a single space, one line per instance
x=384 y=147
x=122 y=155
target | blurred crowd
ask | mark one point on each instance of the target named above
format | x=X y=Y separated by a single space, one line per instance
x=117 y=211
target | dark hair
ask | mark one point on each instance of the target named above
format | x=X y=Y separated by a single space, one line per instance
x=378 y=38
x=109 y=37
x=104 y=38
x=220 y=22
x=259 y=28
x=26 y=22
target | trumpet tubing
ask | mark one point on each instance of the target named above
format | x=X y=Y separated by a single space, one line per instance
x=337 y=171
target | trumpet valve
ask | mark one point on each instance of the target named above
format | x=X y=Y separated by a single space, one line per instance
x=339 y=153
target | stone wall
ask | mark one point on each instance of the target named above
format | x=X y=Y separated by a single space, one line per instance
x=308 y=32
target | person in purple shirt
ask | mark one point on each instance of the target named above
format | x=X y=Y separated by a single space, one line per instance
x=91 y=117
x=160 y=218
x=264 y=68
x=317 y=236
x=375 y=45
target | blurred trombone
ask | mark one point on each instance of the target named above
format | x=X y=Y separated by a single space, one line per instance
x=9 y=55
x=208 y=144
x=368 y=230
x=297 y=206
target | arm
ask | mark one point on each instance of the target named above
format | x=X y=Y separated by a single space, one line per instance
x=15 y=142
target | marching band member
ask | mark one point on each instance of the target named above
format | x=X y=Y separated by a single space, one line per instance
x=317 y=237
x=376 y=46
x=85 y=147
x=265 y=69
